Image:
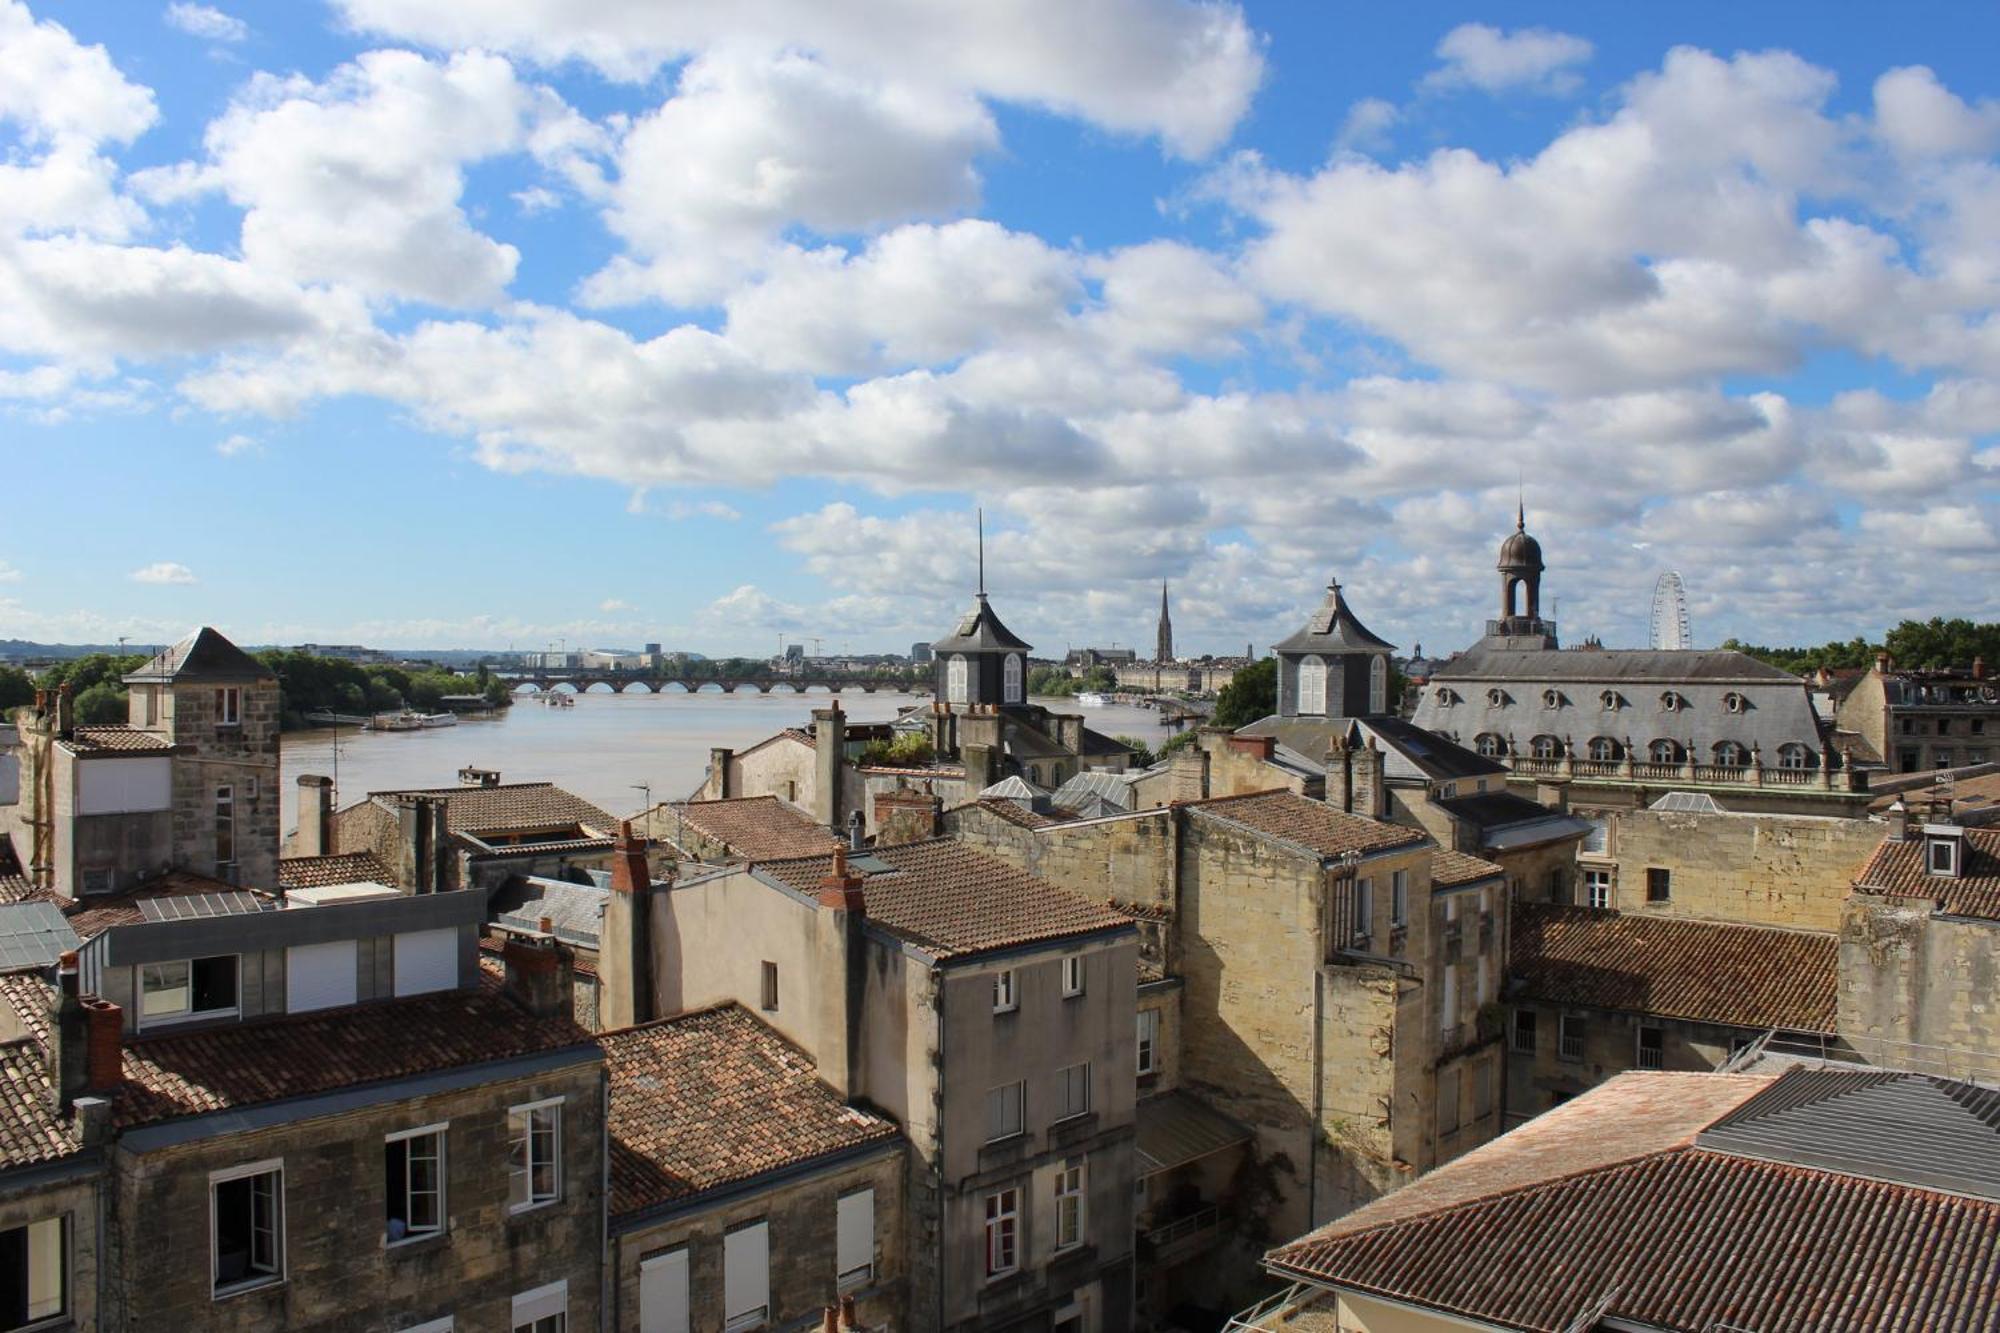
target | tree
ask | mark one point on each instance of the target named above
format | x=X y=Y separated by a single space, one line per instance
x=1938 y=642
x=17 y=687
x=1252 y=694
x=1142 y=753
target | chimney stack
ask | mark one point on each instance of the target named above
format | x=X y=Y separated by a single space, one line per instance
x=1339 y=777
x=104 y=1059
x=857 y=832
x=848 y=1318
x=315 y=837
x=1979 y=668
x=625 y=942
x=829 y=754
x=1365 y=791
x=843 y=910
x=65 y=711
x=718 y=772
x=69 y=1071
x=538 y=972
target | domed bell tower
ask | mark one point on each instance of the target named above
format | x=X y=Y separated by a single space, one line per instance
x=1520 y=624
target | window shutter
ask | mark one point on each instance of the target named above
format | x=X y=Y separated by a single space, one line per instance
x=663 y=1293
x=541 y=1303
x=426 y=960
x=855 y=1247
x=320 y=976
x=746 y=1270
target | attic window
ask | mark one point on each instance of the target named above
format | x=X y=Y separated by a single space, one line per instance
x=1496 y=698
x=1671 y=702
x=1734 y=702
x=1445 y=697
x=1943 y=853
x=1611 y=701
x=1552 y=699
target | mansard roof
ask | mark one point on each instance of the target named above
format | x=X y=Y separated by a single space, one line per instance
x=980 y=631
x=202 y=656
x=1613 y=666
x=1334 y=629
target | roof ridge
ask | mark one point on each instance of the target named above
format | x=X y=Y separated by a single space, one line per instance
x=699 y=1011
x=1584 y=910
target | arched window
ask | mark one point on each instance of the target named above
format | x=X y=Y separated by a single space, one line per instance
x=1664 y=752
x=1605 y=750
x=1728 y=754
x=1794 y=755
x=1611 y=701
x=1490 y=745
x=1378 y=685
x=1010 y=679
x=954 y=680
x=1552 y=699
x=1671 y=702
x=1312 y=685
x=1546 y=747
x=1034 y=771
x=1496 y=698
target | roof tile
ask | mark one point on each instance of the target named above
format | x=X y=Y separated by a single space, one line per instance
x=1897 y=868
x=1313 y=826
x=756 y=828
x=317 y=872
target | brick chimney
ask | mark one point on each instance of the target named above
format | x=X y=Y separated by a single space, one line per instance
x=104 y=1056
x=315 y=836
x=1257 y=747
x=1365 y=789
x=829 y=752
x=625 y=942
x=843 y=910
x=538 y=971
x=848 y=1318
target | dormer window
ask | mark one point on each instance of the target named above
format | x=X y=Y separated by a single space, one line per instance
x=1605 y=750
x=1445 y=697
x=1671 y=702
x=1496 y=698
x=1490 y=745
x=1735 y=702
x=1728 y=754
x=1664 y=752
x=1611 y=700
x=1552 y=699
x=186 y=989
x=1546 y=747
x=1944 y=851
x=1793 y=755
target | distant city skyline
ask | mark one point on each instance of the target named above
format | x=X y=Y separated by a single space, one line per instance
x=420 y=325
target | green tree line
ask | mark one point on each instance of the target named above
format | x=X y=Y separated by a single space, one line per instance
x=1932 y=643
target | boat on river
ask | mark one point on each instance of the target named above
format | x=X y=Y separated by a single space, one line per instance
x=1091 y=699
x=409 y=719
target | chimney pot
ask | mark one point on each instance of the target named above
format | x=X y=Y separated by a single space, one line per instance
x=848 y=1318
x=104 y=1060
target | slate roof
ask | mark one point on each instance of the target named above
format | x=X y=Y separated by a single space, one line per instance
x=203 y=655
x=1634 y=666
x=1898 y=868
x=1309 y=825
x=117 y=740
x=575 y=912
x=712 y=1098
x=1699 y=971
x=266 y=1060
x=1334 y=629
x=509 y=807
x=317 y=872
x=1449 y=869
x=1112 y=788
x=1012 y=811
x=952 y=901
x=1097 y=743
x=1608 y=1207
x=980 y=631
x=757 y=828
x=30 y=1129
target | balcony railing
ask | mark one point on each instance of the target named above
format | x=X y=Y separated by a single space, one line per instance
x=1686 y=771
x=1186 y=1236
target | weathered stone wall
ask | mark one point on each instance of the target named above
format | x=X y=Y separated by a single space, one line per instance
x=1908 y=975
x=76 y=1198
x=1164 y=998
x=1542 y=1078
x=1766 y=870
x=338 y=1273
x=245 y=757
x=802 y=1215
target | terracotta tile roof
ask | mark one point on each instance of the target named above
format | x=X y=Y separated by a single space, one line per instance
x=315 y=872
x=546 y=846
x=98 y=913
x=104 y=740
x=265 y=1060
x=1450 y=868
x=510 y=807
x=756 y=828
x=1602 y=1209
x=1312 y=826
x=1701 y=971
x=951 y=900
x=18 y=889
x=715 y=1097
x=30 y=1129
x=1898 y=868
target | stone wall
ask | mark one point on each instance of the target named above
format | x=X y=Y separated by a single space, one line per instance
x=245 y=757
x=1765 y=870
x=1542 y=1078
x=75 y=1198
x=1908 y=975
x=801 y=1213
x=338 y=1273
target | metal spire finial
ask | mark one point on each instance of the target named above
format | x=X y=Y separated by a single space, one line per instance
x=980 y=518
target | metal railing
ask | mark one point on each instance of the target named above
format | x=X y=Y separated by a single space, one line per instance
x=1270 y=1313
x=1182 y=1228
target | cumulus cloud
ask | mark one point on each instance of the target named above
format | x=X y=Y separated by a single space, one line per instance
x=9 y=574
x=1365 y=129
x=238 y=444
x=1919 y=117
x=1182 y=69
x=164 y=572
x=611 y=604
x=1474 y=55
x=207 y=22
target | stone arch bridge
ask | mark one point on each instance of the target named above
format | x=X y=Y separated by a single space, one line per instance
x=625 y=682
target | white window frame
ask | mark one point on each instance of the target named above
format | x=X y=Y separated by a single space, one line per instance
x=1072 y=976
x=1531 y=1031
x=225 y=816
x=1070 y=1204
x=1378 y=684
x=535 y=1315
x=1639 y=1047
x=1364 y=909
x=1571 y=1034
x=1149 y=1041
x=229 y=705
x=531 y=1110
x=1003 y=1232
x=1312 y=685
x=1020 y=1119
x=1598 y=886
x=848 y=1275
x=413 y=1235
x=58 y=1271
x=443 y=1325
x=1011 y=689
x=1070 y=1081
x=187 y=1012
x=1006 y=991
x=269 y=1166
x=955 y=688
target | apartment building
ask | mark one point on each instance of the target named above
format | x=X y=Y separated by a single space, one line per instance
x=1915 y=721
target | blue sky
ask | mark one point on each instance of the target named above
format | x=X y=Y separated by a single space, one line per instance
x=421 y=324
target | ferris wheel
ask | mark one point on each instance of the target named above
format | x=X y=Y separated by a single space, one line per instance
x=1670 y=613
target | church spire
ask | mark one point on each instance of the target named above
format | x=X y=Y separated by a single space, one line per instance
x=1163 y=650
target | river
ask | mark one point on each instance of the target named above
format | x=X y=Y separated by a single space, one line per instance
x=608 y=747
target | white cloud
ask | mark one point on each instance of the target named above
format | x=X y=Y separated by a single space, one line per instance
x=164 y=572
x=238 y=444
x=1365 y=129
x=207 y=22
x=357 y=180
x=536 y=199
x=1183 y=69
x=1919 y=117
x=716 y=509
x=1475 y=55
x=611 y=604
x=9 y=574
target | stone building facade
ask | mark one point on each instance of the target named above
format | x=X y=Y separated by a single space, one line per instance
x=1915 y=721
